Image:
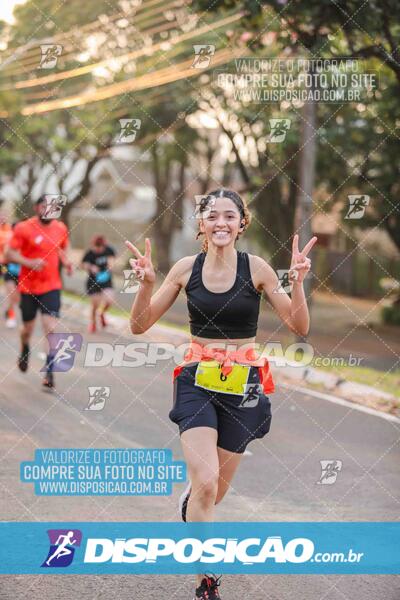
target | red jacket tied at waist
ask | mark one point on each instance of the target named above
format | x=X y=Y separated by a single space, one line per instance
x=196 y=353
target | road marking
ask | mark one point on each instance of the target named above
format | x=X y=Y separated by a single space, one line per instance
x=342 y=402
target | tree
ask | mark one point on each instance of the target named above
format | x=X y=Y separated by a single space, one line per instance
x=168 y=139
x=55 y=152
x=358 y=150
x=57 y=144
x=369 y=30
x=343 y=29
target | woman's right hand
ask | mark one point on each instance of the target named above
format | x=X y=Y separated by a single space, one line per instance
x=142 y=265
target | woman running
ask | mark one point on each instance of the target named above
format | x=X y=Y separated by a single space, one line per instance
x=220 y=394
x=98 y=262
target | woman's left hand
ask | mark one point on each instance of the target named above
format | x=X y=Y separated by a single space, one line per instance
x=300 y=264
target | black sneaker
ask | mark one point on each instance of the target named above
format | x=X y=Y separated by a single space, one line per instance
x=183 y=501
x=208 y=589
x=48 y=381
x=23 y=359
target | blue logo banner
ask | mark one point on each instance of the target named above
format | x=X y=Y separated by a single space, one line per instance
x=179 y=548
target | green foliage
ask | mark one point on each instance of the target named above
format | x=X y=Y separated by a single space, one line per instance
x=357 y=144
x=50 y=17
x=391 y=315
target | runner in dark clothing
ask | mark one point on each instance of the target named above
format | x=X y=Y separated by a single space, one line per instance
x=98 y=261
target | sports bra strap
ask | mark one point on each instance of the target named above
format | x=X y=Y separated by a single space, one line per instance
x=243 y=267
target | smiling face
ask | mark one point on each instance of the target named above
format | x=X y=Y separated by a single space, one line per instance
x=221 y=223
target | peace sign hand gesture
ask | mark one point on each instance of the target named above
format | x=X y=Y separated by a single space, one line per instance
x=300 y=264
x=142 y=265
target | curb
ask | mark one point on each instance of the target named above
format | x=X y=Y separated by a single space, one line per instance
x=357 y=393
x=343 y=402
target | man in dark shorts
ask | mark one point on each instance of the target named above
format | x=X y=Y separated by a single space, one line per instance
x=39 y=245
x=98 y=261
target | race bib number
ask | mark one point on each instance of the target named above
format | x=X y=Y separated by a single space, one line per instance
x=210 y=377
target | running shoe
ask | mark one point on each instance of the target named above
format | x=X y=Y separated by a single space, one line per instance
x=103 y=320
x=48 y=381
x=183 y=501
x=23 y=360
x=11 y=323
x=92 y=327
x=208 y=589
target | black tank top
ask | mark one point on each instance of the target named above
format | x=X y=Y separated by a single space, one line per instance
x=231 y=314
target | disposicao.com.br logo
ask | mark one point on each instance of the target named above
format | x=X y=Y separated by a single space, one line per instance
x=188 y=550
x=182 y=548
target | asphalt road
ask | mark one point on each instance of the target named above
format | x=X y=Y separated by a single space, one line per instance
x=276 y=482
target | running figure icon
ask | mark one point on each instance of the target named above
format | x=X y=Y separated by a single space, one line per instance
x=62 y=549
x=64 y=353
x=63 y=347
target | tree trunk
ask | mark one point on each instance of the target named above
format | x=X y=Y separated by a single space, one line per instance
x=84 y=189
x=24 y=208
x=306 y=180
x=169 y=199
x=276 y=220
x=65 y=213
x=163 y=245
x=178 y=201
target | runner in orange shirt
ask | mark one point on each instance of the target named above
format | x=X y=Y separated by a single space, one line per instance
x=5 y=234
x=39 y=244
x=9 y=273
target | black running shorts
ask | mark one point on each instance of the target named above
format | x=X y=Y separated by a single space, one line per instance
x=48 y=304
x=10 y=277
x=237 y=419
